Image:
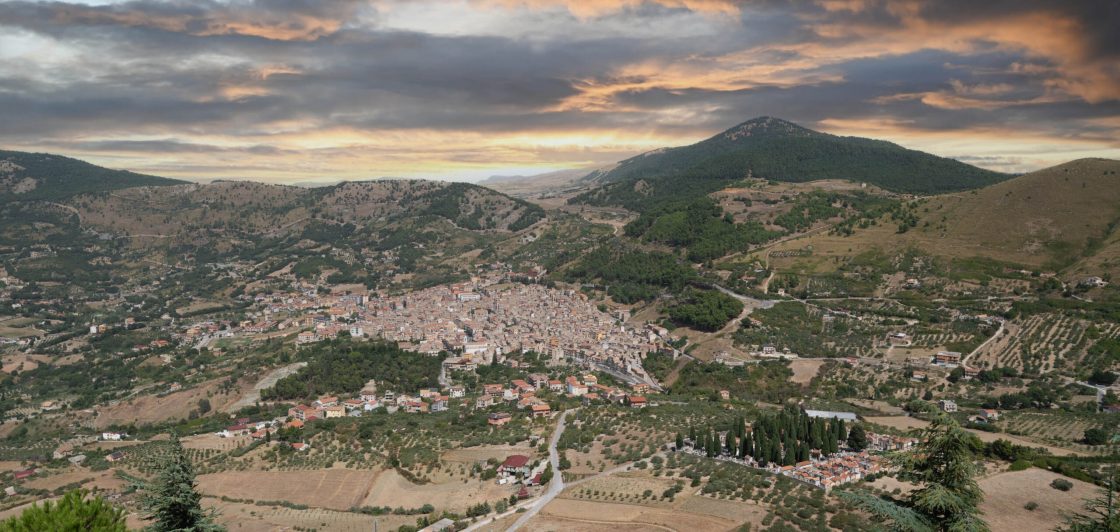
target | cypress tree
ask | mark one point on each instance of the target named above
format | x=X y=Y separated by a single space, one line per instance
x=172 y=500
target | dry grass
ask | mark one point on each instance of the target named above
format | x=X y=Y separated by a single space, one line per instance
x=391 y=489
x=567 y=514
x=178 y=405
x=1014 y=221
x=1005 y=494
x=253 y=518
x=325 y=488
x=805 y=369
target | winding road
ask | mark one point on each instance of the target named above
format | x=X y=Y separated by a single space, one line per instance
x=556 y=485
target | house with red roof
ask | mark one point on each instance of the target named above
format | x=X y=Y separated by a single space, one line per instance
x=515 y=464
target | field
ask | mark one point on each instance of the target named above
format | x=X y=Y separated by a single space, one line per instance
x=1060 y=428
x=339 y=489
x=18 y=327
x=257 y=518
x=389 y=488
x=1005 y=494
x=805 y=369
x=23 y=362
x=153 y=409
x=907 y=423
x=1042 y=343
x=567 y=514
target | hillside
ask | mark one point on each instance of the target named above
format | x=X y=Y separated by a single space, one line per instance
x=255 y=208
x=43 y=176
x=372 y=232
x=778 y=150
x=1063 y=217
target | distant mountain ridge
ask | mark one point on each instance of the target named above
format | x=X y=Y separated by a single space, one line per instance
x=42 y=176
x=775 y=149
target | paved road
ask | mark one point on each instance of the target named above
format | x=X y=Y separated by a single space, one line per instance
x=557 y=483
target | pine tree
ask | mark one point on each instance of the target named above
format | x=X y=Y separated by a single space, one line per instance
x=74 y=511
x=857 y=438
x=949 y=497
x=172 y=501
x=1102 y=514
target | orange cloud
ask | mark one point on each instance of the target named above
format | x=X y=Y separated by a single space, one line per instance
x=588 y=9
x=229 y=21
x=1049 y=35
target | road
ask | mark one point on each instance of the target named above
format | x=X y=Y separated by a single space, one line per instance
x=992 y=338
x=556 y=485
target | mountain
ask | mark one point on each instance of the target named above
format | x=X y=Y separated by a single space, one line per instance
x=778 y=150
x=378 y=233
x=43 y=176
x=524 y=186
x=247 y=207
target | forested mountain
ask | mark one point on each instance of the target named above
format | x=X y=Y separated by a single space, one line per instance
x=43 y=176
x=778 y=150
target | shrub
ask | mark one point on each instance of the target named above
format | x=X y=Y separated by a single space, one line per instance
x=1031 y=506
x=1061 y=484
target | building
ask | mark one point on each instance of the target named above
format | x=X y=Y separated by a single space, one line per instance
x=574 y=387
x=304 y=412
x=498 y=419
x=484 y=401
x=947 y=405
x=636 y=401
x=540 y=410
x=949 y=359
x=516 y=464
x=846 y=416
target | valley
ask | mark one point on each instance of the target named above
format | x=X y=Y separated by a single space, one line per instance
x=402 y=352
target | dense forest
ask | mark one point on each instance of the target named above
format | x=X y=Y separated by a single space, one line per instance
x=705 y=310
x=60 y=177
x=701 y=227
x=631 y=275
x=344 y=367
x=781 y=151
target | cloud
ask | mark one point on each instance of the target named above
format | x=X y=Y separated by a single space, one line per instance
x=288 y=89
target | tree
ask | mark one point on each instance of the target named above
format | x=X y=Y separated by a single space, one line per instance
x=74 y=511
x=203 y=406
x=172 y=500
x=679 y=442
x=857 y=438
x=546 y=476
x=949 y=496
x=1102 y=377
x=1101 y=513
x=1096 y=436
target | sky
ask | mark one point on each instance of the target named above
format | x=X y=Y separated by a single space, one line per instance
x=300 y=91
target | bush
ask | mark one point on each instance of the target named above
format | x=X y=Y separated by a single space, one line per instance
x=1020 y=465
x=1030 y=506
x=1061 y=484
